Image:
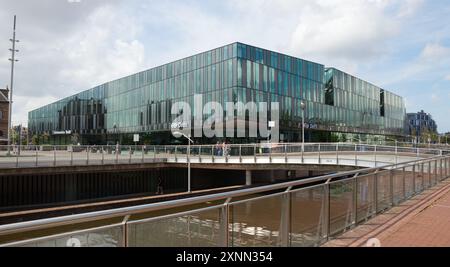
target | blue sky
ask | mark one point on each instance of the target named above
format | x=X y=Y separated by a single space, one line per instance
x=66 y=47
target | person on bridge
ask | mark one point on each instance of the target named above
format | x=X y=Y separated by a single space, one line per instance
x=224 y=149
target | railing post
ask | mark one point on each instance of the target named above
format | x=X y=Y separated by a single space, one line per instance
x=87 y=155
x=414 y=179
x=54 y=156
x=355 y=201
x=200 y=154
x=303 y=154
x=176 y=154
x=117 y=154
x=225 y=153
x=254 y=147
x=103 y=155
x=404 y=183
x=270 y=152
x=446 y=167
x=356 y=155
x=326 y=211
x=376 y=158
x=154 y=153
x=240 y=153
x=337 y=154
x=423 y=176
x=37 y=156
x=436 y=171
x=320 y=160
x=224 y=218
x=125 y=236
x=376 y=192
x=129 y=158
x=286 y=219
x=396 y=154
x=71 y=157
x=429 y=174
x=213 y=154
x=143 y=153
x=439 y=170
x=391 y=181
x=285 y=154
x=17 y=157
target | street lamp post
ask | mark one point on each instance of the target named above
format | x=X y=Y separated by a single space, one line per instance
x=303 y=107
x=11 y=89
x=116 y=134
x=188 y=157
x=272 y=124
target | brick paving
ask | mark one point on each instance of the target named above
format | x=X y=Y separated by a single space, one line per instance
x=423 y=221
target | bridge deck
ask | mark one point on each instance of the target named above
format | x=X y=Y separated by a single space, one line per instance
x=64 y=159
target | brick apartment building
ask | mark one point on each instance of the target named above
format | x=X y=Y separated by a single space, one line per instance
x=4 y=115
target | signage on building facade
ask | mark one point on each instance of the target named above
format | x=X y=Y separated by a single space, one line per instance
x=62 y=132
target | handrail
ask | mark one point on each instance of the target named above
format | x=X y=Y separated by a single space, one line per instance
x=63 y=156
x=264 y=145
x=108 y=214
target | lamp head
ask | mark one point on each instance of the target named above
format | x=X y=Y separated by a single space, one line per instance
x=303 y=105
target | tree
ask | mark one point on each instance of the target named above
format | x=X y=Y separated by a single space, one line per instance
x=35 y=140
x=45 y=138
x=75 y=139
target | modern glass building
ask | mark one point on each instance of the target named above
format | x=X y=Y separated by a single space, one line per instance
x=421 y=126
x=339 y=106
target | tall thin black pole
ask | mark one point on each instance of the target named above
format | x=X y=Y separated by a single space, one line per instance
x=13 y=61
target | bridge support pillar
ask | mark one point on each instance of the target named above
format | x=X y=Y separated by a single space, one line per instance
x=248 y=178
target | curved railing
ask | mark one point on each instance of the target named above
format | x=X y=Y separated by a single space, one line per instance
x=300 y=213
x=328 y=153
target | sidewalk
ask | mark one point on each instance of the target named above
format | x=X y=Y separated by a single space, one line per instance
x=423 y=221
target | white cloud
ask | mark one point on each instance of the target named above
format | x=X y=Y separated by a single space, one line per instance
x=348 y=30
x=24 y=103
x=332 y=32
x=71 y=52
x=447 y=77
x=433 y=60
x=336 y=33
x=435 y=98
x=409 y=7
x=107 y=50
x=434 y=51
x=66 y=49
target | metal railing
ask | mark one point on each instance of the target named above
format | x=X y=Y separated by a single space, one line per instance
x=328 y=153
x=300 y=213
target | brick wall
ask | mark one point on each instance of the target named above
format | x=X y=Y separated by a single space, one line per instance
x=4 y=111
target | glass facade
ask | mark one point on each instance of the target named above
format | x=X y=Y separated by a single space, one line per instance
x=357 y=105
x=141 y=103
